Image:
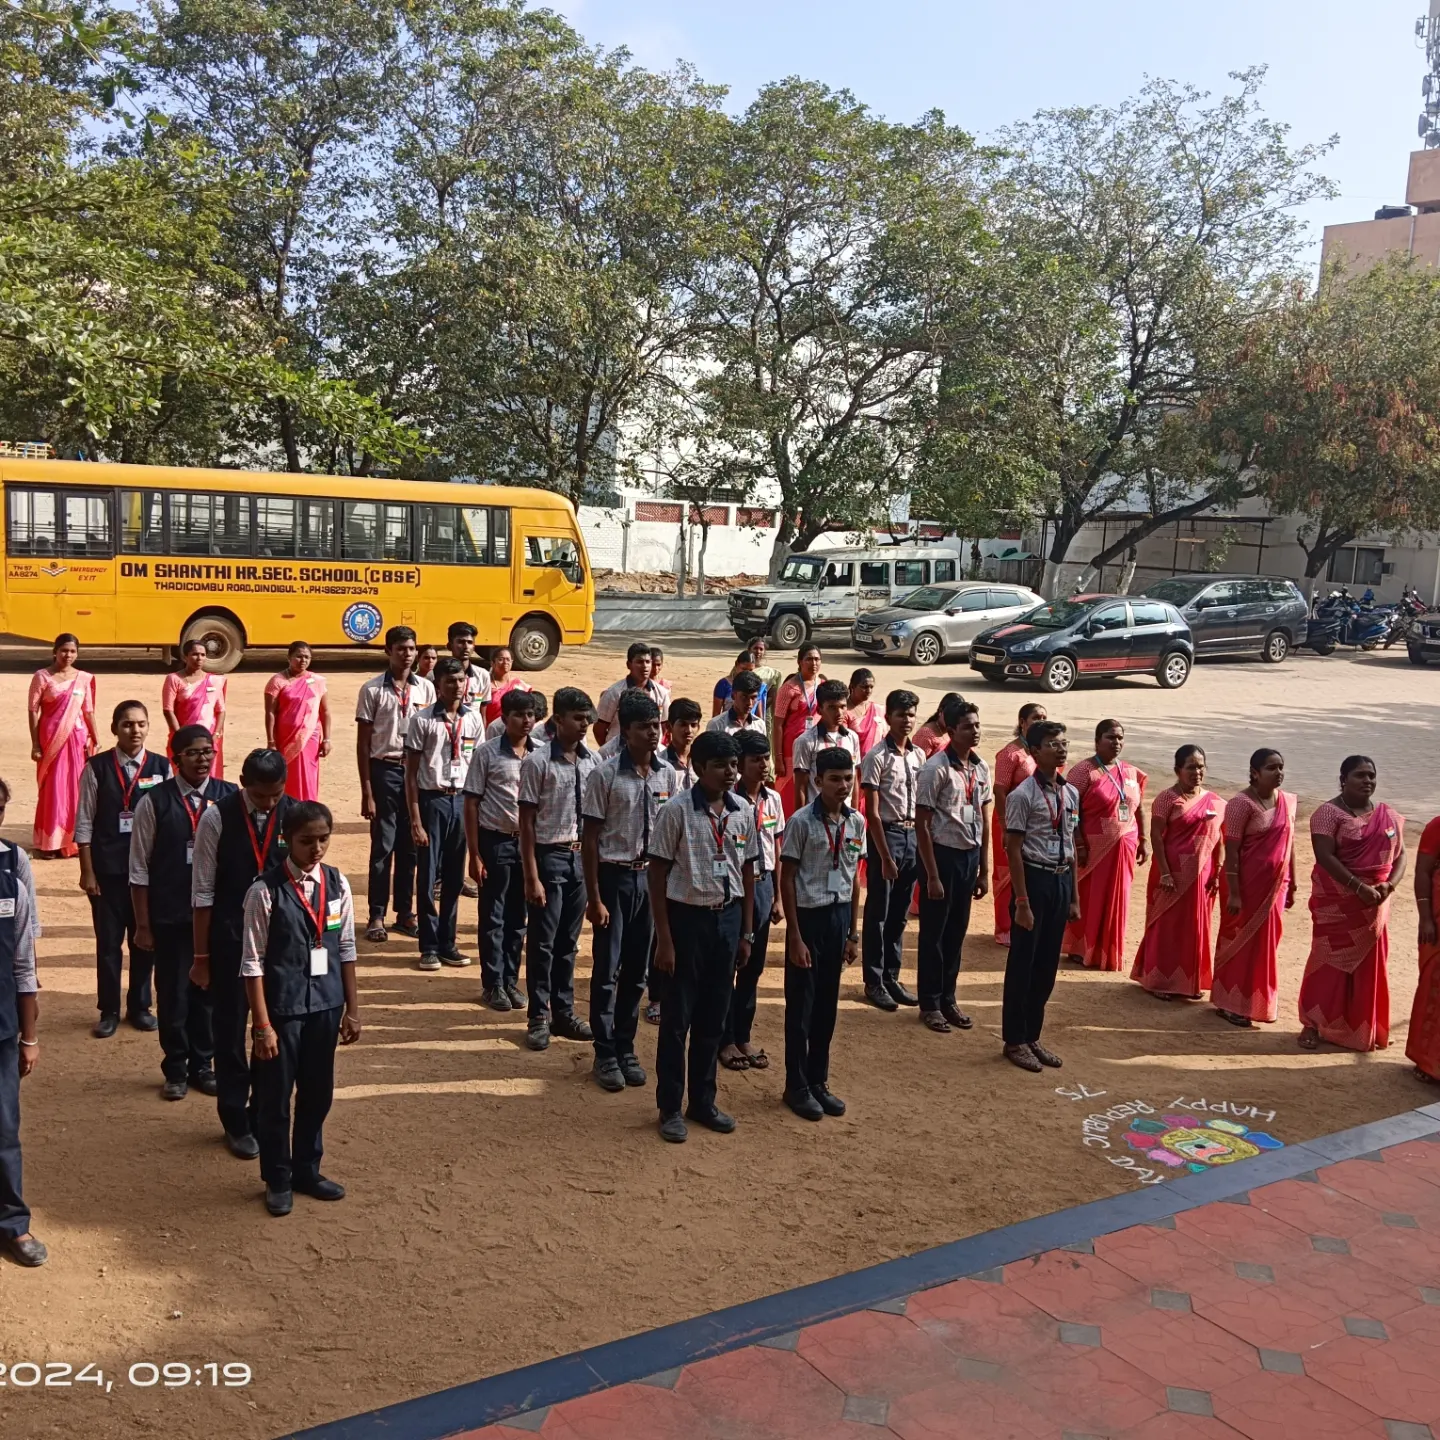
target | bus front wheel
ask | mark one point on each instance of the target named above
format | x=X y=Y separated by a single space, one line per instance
x=534 y=643
x=224 y=643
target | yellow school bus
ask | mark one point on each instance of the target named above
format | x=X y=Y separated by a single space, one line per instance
x=140 y=555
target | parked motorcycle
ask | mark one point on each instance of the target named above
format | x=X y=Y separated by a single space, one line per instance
x=1409 y=610
x=1340 y=619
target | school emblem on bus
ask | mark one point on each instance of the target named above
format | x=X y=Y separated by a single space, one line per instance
x=362 y=623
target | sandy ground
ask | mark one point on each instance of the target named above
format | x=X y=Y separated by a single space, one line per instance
x=502 y=1209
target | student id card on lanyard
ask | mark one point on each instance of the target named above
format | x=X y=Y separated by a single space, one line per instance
x=969 y=778
x=719 y=866
x=1123 y=809
x=1055 y=842
x=455 y=772
x=127 y=813
x=835 y=881
x=260 y=844
x=193 y=814
x=319 y=955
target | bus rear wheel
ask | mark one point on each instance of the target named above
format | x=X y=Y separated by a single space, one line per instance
x=222 y=638
x=534 y=643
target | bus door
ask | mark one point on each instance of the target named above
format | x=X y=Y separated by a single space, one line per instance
x=552 y=579
x=60 y=557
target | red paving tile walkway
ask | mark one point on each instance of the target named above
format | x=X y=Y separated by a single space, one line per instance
x=1302 y=1309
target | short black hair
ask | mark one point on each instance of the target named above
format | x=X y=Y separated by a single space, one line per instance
x=901 y=700
x=125 y=705
x=186 y=736
x=712 y=745
x=263 y=767
x=636 y=708
x=751 y=742
x=398 y=635
x=461 y=628
x=538 y=703
x=955 y=708
x=448 y=666
x=301 y=814
x=684 y=712
x=514 y=702
x=830 y=691
x=570 y=701
x=746 y=682
x=1041 y=731
x=833 y=757
x=656 y=653
x=639 y=648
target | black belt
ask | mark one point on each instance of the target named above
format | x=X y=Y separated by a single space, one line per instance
x=558 y=845
x=627 y=864
x=1048 y=869
x=385 y=760
x=899 y=825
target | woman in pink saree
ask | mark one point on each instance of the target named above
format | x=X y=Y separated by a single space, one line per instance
x=795 y=711
x=1013 y=764
x=62 y=738
x=1257 y=887
x=192 y=697
x=502 y=681
x=862 y=714
x=297 y=722
x=1174 y=958
x=1359 y=860
x=1110 y=844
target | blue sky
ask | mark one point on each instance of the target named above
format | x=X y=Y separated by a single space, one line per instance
x=1351 y=69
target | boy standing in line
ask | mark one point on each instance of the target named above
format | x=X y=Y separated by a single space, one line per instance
x=954 y=802
x=236 y=842
x=622 y=798
x=552 y=794
x=657 y=664
x=736 y=1051
x=638 y=664
x=438 y=745
x=889 y=779
x=110 y=784
x=492 y=837
x=382 y=716
x=1041 y=816
x=299 y=967
x=162 y=844
x=741 y=714
x=820 y=882
x=703 y=851
x=828 y=730
x=475 y=679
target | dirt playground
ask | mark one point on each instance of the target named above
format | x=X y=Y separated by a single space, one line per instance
x=502 y=1209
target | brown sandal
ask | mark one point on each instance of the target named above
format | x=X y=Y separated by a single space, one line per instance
x=1024 y=1057
x=936 y=1022
x=1309 y=1039
x=759 y=1060
x=737 y=1061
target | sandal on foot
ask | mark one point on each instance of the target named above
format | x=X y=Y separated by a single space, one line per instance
x=408 y=925
x=1242 y=1021
x=376 y=933
x=737 y=1061
x=935 y=1021
x=652 y=1014
x=1022 y=1056
x=759 y=1060
x=1044 y=1056
x=1309 y=1040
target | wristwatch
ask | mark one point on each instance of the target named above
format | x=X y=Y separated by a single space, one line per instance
x=748 y=937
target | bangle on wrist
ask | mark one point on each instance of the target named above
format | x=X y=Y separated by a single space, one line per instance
x=28 y=1044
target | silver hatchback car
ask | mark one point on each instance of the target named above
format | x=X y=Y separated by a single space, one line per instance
x=939 y=620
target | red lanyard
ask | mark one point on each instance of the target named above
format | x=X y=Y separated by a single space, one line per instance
x=194 y=814
x=1059 y=809
x=126 y=791
x=454 y=731
x=969 y=778
x=261 y=847
x=718 y=831
x=402 y=698
x=319 y=910
x=835 y=843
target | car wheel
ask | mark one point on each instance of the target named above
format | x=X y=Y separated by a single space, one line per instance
x=1173 y=670
x=927 y=648
x=990 y=675
x=1277 y=647
x=1060 y=674
x=790 y=632
x=1418 y=657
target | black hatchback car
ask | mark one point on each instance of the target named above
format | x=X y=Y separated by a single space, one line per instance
x=1262 y=615
x=1087 y=635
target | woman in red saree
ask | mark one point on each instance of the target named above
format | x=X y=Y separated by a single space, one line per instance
x=1257 y=886
x=1013 y=764
x=1423 y=1044
x=1110 y=844
x=1359 y=860
x=62 y=738
x=795 y=711
x=191 y=697
x=862 y=714
x=1173 y=961
x=502 y=681
x=297 y=722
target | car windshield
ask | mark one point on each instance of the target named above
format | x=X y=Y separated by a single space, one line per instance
x=928 y=597
x=1056 y=615
x=1174 y=592
x=802 y=570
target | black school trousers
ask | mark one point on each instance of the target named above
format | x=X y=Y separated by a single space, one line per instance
x=812 y=996
x=113 y=916
x=887 y=906
x=552 y=934
x=229 y=1016
x=442 y=813
x=305 y=1068
x=943 y=924
x=182 y=1008
x=392 y=847
x=621 y=952
x=695 y=1002
x=14 y=1213
x=502 y=909
x=741 y=1020
x=1035 y=954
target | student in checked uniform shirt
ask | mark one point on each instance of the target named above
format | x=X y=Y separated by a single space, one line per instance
x=298 y=962
x=438 y=747
x=743 y=710
x=552 y=797
x=953 y=806
x=828 y=730
x=820 y=882
x=492 y=836
x=622 y=798
x=703 y=851
x=638 y=665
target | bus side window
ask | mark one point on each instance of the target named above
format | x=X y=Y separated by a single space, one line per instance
x=372 y=531
x=275 y=526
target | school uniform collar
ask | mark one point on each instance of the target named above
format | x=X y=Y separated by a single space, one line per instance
x=699 y=801
x=627 y=761
x=740 y=721
x=895 y=749
x=841 y=730
x=186 y=788
x=501 y=742
x=817 y=805
x=410 y=679
x=439 y=712
x=760 y=794
x=972 y=759
x=296 y=873
x=121 y=758
x=672 y=759
x=557 y=751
